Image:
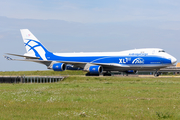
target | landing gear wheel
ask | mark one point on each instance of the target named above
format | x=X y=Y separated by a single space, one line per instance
x=156 y=74
x=89 y=74
x=106 y=74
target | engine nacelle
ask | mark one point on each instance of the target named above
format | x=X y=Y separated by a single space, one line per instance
x=96 y=69
x=59 y=67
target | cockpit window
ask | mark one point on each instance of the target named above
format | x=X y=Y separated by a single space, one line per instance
x=161 y=51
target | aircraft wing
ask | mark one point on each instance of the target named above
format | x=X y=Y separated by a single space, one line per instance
x=48 y=62
x=27 y=57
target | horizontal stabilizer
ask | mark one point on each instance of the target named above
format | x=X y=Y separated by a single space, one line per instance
x=7 y=58
x=27 y=57
x=47 y=63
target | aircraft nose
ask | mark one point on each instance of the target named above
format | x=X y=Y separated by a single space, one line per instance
x=173 y=60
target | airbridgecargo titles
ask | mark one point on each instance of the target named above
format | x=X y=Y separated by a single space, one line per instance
x=147 y=59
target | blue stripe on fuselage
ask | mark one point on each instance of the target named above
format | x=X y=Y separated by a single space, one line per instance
x=124 y=60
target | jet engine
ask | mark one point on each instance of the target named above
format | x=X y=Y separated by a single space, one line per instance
x=59 y=67
x=96 y=69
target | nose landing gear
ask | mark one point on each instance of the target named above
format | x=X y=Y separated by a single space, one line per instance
x=156 y=74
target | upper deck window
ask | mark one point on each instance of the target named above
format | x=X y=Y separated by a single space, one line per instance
x=161 y=51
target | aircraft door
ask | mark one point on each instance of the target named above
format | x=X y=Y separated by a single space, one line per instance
x=161 y=61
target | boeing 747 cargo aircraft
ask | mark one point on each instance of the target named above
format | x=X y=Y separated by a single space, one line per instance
x=95 y=63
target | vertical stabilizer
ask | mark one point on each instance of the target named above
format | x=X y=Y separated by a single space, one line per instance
x=33 y=46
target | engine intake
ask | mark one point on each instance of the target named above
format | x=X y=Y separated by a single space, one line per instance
x=96 y=69
x=59 y=67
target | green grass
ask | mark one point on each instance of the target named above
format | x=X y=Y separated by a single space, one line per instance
x=44 y=73
x=79 y=97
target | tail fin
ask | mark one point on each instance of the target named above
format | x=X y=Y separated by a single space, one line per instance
x=33 y=46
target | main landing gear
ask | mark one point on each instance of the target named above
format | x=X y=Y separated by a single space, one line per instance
x=107 y=73
x=89 y=74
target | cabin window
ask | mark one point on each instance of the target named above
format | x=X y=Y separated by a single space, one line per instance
x=161 y=51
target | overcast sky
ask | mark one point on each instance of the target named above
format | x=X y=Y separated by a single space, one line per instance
x=88 y=26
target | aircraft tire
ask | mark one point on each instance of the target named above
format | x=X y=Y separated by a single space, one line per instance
x=89 y=74
x=156 y=74
x=107 y=74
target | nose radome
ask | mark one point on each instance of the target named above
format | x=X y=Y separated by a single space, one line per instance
x=173 y=60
